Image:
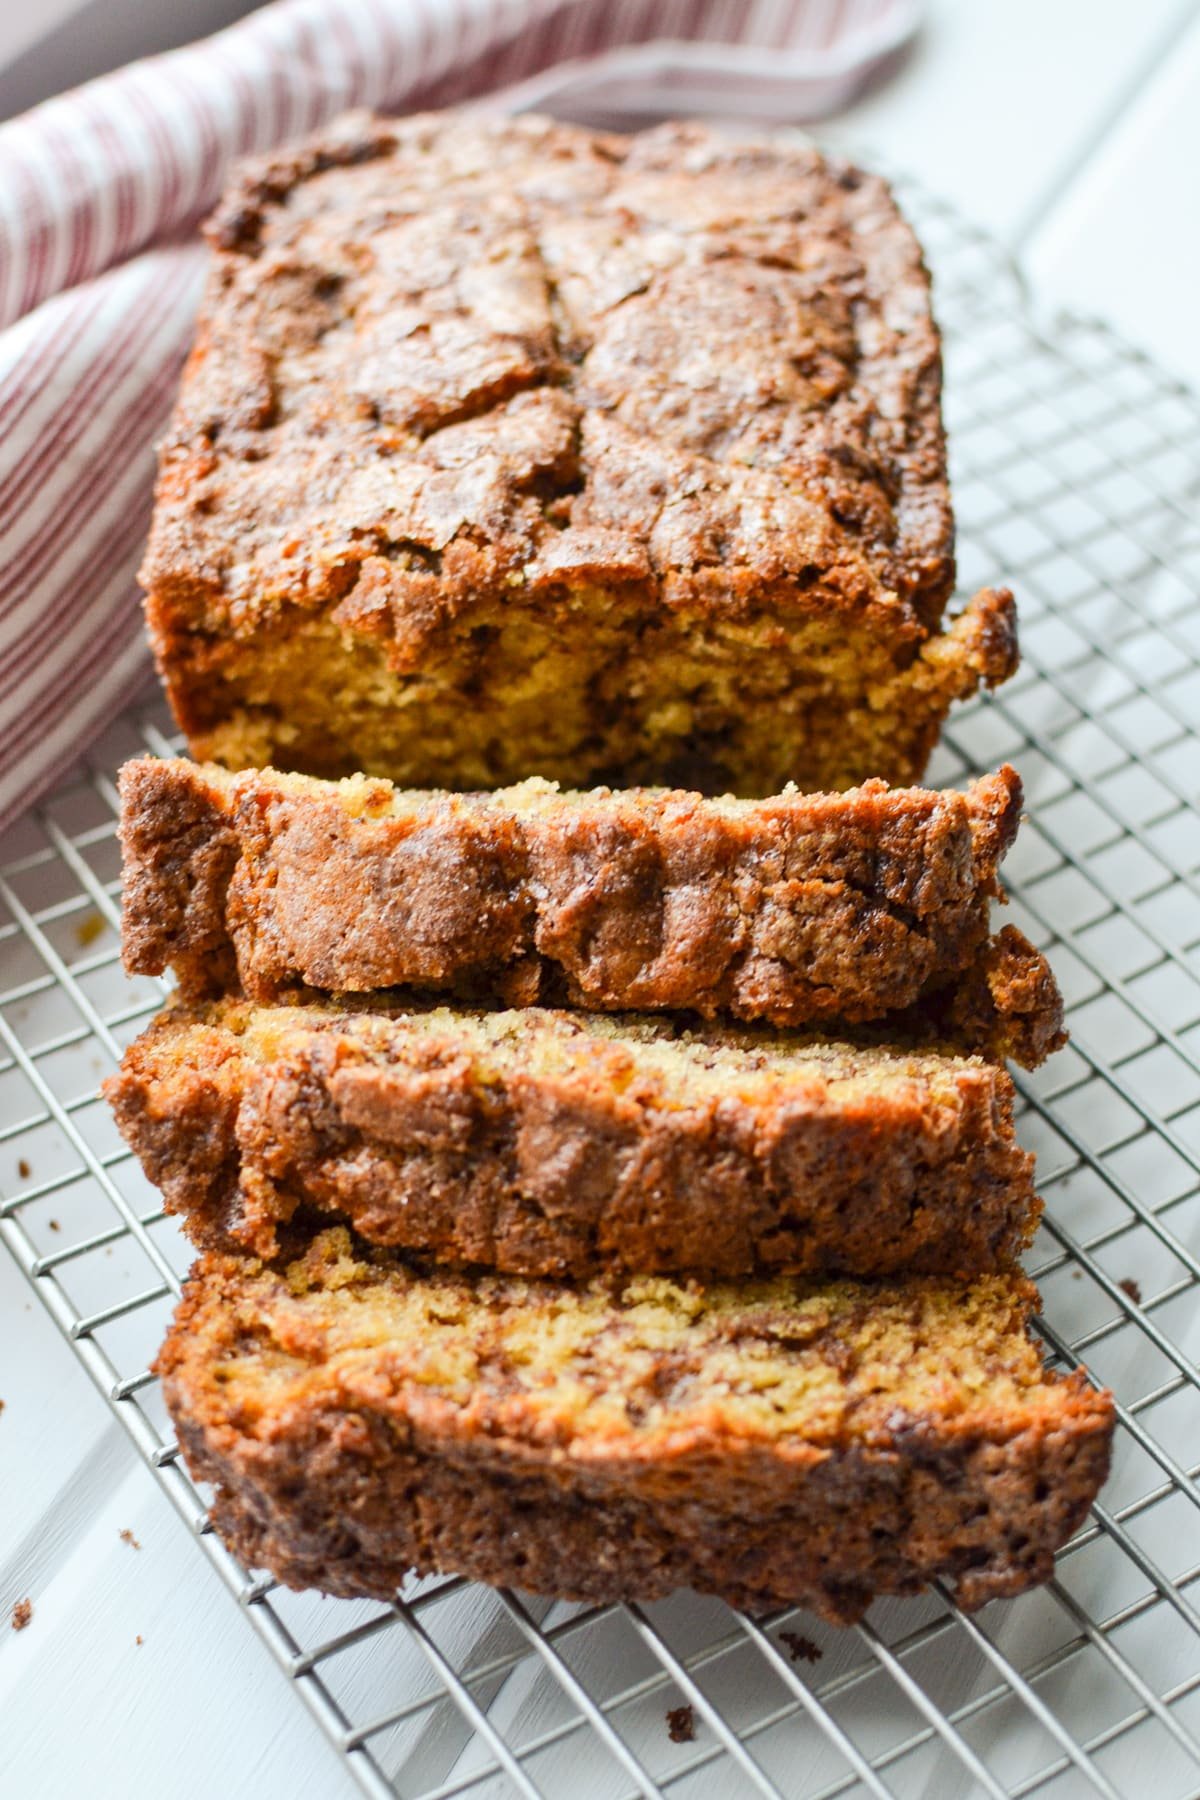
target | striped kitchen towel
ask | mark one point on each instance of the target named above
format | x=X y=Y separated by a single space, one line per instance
x=100 y=266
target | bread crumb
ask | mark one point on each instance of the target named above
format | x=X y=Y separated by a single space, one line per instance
x=139 y=1639
x=800 y=1648
x=1132 y=1288
x=681 y=1724
x=54 y=1225
x=23 y=1169
x=126 y=1536
x=22 y=1612
x=88 y=930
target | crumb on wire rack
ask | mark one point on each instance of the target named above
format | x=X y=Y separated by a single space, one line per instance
x=1132 y=1288
x=801 y=1648
x=681 y=1724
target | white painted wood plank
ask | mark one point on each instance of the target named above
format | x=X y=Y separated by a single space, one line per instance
x=55 y=1430
x=1124 y=240
x=998 y=97
x=196 y=1710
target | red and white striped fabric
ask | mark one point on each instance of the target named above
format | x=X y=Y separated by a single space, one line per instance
x=100 y=271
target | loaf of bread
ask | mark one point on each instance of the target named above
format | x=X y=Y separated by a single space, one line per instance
x=803 y=909
x=513 y=460
x=507 y=448
x=547 y=1143
x=774 y=1442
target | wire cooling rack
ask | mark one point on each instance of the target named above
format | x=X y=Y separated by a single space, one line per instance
x=1076 y=467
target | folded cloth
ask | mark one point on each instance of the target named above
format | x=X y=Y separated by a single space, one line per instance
x=100 y=268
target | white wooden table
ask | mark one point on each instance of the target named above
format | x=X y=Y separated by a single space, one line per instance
x=1071 y=129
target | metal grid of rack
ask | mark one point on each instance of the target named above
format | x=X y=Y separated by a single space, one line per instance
x=1077 y=465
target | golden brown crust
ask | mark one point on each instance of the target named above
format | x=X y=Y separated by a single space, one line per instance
x=402 y=279
x=801 y=909
x=550 y=1144
x=1008 y=1001
x=351 y=1434
x=460 y=385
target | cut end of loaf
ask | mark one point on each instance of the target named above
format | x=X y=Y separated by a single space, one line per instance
x=773 y=1443
x=599 y=688
x=609 y=1368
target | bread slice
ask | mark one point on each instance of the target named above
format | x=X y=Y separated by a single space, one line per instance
x=554 y=1143
x=799 y=910
x=508 y=448
x=773 y=1442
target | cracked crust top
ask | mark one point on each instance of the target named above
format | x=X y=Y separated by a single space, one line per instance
x=442 y=357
